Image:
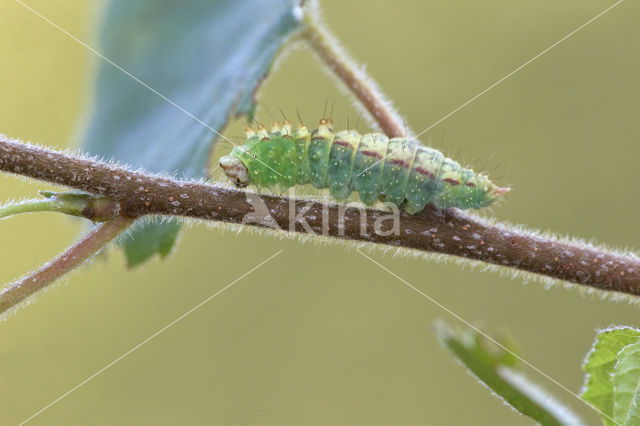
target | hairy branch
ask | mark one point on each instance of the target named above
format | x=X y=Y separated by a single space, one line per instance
x=337 y=61
x=74 y=256
x=453 y=233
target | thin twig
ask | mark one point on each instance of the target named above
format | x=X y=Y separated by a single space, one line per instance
x=454 y=233
x=74 y=256
x=97 y=209
x=29 y=206
x=328 y=49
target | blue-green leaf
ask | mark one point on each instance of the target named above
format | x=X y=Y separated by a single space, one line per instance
x=203 y=60
x=494 y=367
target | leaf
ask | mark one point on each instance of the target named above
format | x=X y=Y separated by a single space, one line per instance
x=602 y=366
x=142 y=245
x=626 y=382
x=493 y=366
x=207 y=57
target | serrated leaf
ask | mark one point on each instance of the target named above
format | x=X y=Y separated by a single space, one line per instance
x=493 y=366
x=626 y=384
x=600 y=366
x=206 y=56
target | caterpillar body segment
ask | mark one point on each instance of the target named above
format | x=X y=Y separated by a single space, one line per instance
x=340 y=168
x=423 y=184
x=397 y=170
x=401 y=155
x=318 y=154
x=368 y=165
x=302 y=138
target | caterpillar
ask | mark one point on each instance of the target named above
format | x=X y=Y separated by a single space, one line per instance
x=397 y=170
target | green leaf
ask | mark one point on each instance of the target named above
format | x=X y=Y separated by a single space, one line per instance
x=626 y=382
x=207 y=57
x=143 y=245
x=606 y=385
x=493 y=366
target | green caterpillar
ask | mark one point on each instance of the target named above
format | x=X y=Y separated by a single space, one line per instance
x=396 y=170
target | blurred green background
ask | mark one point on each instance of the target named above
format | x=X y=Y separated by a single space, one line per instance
x=320 y=335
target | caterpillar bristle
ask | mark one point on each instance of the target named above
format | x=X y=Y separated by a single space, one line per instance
x=300 y=133
x=286 y=127
x=249 y=132
x=262 y=132
x=325 y=126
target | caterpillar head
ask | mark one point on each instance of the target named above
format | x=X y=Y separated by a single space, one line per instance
x=235 y=169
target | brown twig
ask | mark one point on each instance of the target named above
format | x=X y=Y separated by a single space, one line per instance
x=337 y=61
x=454 y=233
x=74 y=256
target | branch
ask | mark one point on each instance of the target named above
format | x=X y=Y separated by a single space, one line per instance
x=74 y=256
x=496 y=244
x=336 y=59
x=452 y=233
